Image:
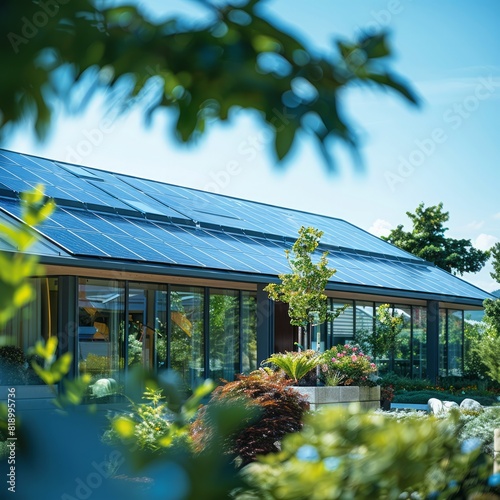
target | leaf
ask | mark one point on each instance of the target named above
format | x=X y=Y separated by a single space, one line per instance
x=283 y=140
x=124 y=427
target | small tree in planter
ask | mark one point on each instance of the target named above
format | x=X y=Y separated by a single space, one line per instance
x=303 y=288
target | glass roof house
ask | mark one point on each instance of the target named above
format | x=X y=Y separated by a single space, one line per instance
x=142 y=272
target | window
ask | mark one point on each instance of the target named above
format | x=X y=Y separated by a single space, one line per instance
x=35 y=321
x=187 y=338
x=101 y=328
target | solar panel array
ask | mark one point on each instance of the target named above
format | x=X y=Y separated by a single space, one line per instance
x=114 y=216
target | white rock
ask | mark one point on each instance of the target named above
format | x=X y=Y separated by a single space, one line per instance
x=470 y=404
x=435 y=406
x=448 y=405
x=103 y=387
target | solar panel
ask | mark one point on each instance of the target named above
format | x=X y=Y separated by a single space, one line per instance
x=114 y=216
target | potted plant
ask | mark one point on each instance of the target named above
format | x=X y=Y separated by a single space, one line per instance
x=347 y=375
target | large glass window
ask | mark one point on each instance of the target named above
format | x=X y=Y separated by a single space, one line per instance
x=224 y=334
x=33 y=322
x=341 y=329
x=248 y=332
x=455 y=342
x=419 y=342
x=443 y=343
x=101 y=328
x=147 y=325
x=400 y=359
x=187 y=340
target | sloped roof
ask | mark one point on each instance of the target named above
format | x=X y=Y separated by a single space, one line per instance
x=112 y=217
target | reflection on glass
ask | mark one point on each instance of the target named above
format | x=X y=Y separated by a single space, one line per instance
x=455 y=342
x=224 y=334
x=147 y=313
x=400 y=358
x=443 y=347
x=35 y=321
x=101 y=333
x=419 y=342
x=249 y=332
x=341 y=329
x=187 y=335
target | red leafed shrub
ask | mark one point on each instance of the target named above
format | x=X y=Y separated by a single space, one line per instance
x=277 y=410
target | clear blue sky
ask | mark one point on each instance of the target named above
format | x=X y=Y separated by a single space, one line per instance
x=448 y=150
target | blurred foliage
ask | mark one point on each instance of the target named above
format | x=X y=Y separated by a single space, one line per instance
x=17 y=266
x=343 y=454
x=153 y=426
x=235 y=59
x=274 y=409
x=427 y=241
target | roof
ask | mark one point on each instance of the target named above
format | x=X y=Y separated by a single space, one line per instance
x=110 y=218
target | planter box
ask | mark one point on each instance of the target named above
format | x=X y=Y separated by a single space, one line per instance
x=368 y=398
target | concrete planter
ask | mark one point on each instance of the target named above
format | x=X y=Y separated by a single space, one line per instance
x=368 y=398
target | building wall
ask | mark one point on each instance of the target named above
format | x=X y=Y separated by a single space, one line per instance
x=203 y=329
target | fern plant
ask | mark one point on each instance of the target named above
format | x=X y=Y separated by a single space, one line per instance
x=296 y=365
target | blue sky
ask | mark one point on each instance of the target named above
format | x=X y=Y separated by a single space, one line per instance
x=445 y=151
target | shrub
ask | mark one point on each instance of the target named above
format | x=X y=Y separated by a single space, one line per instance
x=482 y=427
x=148 y=426
x=346 y=365
x=342 y=454
x=296 y=365
x=281 y=410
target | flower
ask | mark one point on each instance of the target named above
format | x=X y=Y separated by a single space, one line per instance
x=346 y=365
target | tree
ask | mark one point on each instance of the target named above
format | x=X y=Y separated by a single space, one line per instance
x=384 y=340
x=427 y=241
x=495 y=253
x=237 y=59
x=304 y=288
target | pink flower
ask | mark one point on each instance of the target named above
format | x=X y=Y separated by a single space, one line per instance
x=341 y=355
x=334 y=360
x=372 y=365
x=354 y=357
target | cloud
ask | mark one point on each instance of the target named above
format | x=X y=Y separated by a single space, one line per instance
x=485 y=241
x=497 y=216
x=475 y=224
x=380 y=227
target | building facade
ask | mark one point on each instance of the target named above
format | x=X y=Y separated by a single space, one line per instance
x=138 y=272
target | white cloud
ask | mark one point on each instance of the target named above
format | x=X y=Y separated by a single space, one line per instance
x=475 y=224
x=485 y=241
x=380 y=227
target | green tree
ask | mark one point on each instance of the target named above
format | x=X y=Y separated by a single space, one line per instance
x=495 y=254
x=384 y=341
x=304 y=288
x=427 y=240
x=203 y=72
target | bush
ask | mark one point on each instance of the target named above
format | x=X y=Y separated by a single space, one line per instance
x=422 y=397
x=296 y=365
x=346 y=365
x=281 y=410
x=342 y=454
x=148 y=426
x=482 y=428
